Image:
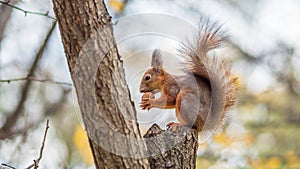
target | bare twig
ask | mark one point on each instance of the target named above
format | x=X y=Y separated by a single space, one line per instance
x=35 y=164
x=36 y=161
x=7 y=3
x=34 y=79
x=6 y=166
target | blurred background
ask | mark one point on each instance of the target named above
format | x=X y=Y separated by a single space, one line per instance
x=263 y=129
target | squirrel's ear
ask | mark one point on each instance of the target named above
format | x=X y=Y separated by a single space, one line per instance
x=156 y=59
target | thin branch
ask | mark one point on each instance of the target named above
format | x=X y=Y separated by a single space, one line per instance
x=6 y=166
x=13 y=117
x=26 y=11
x=36 y=162
x=34 y=79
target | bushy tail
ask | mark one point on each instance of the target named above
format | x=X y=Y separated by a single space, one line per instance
x=211 y=68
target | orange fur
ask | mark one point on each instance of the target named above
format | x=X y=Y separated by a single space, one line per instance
x=201 y=97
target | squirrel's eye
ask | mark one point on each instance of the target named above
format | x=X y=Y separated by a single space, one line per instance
x=147 y=77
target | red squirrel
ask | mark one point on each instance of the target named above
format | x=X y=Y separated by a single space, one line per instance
x=204 y=94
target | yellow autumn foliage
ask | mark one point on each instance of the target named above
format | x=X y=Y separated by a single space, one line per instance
x=256 y=163
x=82 y=145
x=248 y=139
x=222 y=138
x=273 y=163
x=116 y=5
x=293 y=161
x=202 y=163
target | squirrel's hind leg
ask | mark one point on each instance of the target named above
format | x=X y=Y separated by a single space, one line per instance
x=187 y=108
x=182 y=122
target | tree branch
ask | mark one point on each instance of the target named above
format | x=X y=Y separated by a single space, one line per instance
x=36 y=162
x=168 y=149
x=36 y=80
x=98 y=76
x=6 y=166
x=26 y=11
x=13 y=117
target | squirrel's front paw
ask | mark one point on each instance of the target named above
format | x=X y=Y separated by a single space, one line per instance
x=146 y=102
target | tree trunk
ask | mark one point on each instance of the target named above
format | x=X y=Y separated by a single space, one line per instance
x=97 y=72
x=169 y=149
x=104 y=99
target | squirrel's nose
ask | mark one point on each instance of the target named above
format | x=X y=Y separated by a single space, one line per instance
x=142 y=90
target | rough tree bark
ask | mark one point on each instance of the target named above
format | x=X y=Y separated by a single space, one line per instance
x=168 y=149
x=98 y=76
x=104 y=99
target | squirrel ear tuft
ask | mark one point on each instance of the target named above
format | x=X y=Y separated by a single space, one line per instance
x=156 y=60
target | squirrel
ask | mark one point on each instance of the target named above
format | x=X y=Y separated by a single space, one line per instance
x=206 y=91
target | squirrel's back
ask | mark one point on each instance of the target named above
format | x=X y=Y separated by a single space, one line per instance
x=222 y=83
